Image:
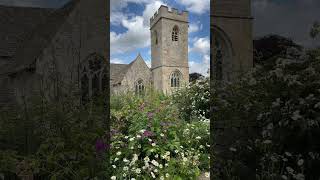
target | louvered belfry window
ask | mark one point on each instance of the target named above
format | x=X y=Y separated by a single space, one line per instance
x=175 y=33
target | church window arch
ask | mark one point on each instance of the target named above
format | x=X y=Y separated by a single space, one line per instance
x=175 y=33
x=219 y=59
x=175 y=79
x=222 y=60
x=92 y=76
x=139 y=87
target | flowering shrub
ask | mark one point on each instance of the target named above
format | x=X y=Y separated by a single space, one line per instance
x=193 y=101
x=149 y=139
x=284 y=103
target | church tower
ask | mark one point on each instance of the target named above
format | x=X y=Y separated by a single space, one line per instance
x=169 y=49
x=231 y=30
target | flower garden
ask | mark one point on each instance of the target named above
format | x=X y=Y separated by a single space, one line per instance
x=150 y=138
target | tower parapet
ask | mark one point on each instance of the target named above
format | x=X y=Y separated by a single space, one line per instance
x=164 y=12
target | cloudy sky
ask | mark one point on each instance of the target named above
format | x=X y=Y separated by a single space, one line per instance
x=130 y=30
x=130 y=27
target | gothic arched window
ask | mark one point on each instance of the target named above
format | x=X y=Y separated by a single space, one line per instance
x=222 y=59
x=175 y=33
x=175 y=79
x=139 y=87
x=93 y=76
x=218 y=60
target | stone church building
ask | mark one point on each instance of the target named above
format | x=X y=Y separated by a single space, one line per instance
x=44 y=51
x=169 y=57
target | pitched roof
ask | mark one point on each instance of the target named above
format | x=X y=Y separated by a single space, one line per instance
x=27 y=31
x=118 y=71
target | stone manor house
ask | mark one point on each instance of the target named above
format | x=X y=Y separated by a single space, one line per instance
x=46 y=51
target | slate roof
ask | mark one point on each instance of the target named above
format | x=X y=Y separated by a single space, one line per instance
x=118 y=71
x=26 y=31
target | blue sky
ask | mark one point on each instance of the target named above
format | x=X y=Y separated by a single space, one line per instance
x=130 y=34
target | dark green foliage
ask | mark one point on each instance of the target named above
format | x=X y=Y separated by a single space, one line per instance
x=269 y=48
x=193 y=77
x=57 y=138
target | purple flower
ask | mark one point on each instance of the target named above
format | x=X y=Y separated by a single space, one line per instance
x=142 y=106
x=100 y=145
x=147 y=133
x=150 y=115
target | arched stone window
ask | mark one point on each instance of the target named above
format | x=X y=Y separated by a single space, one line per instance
x=175 y=33
x=93 y=76
x=218 y=59
x=175 y=79
x=139 y=87
x=222 y=60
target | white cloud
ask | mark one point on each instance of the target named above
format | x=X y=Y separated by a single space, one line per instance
x=137 y=36
x=138 y=33
x=194 y=27
x=116 y=61
x=150 y=9
x=200 y=67
x=201 y=45
x=196 y=6
x=116 y=18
